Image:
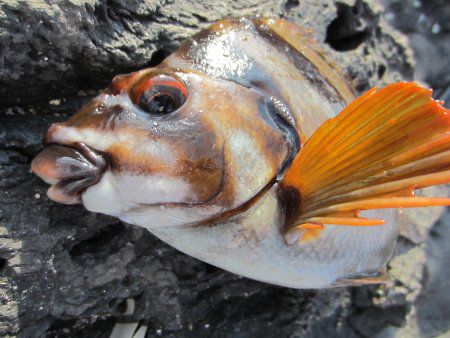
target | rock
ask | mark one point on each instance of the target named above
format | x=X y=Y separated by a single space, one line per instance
x=428 y=28
x=67 y=272
x=433 y=311
x=83 y=44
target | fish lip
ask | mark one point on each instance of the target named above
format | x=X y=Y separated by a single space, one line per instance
x=98 y=159
x=68 y=190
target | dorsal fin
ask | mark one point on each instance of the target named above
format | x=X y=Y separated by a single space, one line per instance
x=303 y=40
x=373 y=155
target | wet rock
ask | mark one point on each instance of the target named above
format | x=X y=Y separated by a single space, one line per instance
x=67 y=272
x=428 y=28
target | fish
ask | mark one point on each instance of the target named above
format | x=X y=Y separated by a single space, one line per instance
x=248 y=148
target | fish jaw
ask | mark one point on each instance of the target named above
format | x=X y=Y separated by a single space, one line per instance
x=69 y=170
x=142 y=200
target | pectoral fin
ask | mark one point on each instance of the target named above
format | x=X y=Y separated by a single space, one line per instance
x=373 y=155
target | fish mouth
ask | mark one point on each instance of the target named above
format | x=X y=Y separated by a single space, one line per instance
x=69 y=169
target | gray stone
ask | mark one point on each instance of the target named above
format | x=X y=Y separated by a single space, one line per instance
x=67 y=272
x=427 y=26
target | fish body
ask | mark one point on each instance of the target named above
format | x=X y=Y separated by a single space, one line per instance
x=204 y=150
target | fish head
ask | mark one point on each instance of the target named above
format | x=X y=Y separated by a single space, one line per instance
x=164 y=147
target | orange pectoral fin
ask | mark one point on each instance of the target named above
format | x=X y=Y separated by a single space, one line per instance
x=373 y=155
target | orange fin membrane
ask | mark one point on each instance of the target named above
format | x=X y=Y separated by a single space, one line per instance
x=373 y=155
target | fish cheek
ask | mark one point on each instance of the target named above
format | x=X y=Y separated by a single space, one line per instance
x=195 y=156
x=202 y=165
x=205 y=176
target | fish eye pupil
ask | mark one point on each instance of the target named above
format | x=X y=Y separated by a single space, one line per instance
x=159 y=104
x=161 y=95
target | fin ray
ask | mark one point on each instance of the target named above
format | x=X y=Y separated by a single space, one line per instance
x=372 y=155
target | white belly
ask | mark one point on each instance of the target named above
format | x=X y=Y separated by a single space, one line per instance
x=252 y=246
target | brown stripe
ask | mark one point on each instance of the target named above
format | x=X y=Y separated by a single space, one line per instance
x=304 y=66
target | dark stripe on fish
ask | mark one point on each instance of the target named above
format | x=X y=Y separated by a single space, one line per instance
x=275 y=111
x=227 y=215
x=305 y=67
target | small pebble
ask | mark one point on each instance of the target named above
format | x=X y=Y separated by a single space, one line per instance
x=37 y=196
x=389 y=16
x=436 y=28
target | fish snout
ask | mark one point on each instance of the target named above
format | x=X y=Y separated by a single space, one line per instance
x=69 y=169
x=50 y=136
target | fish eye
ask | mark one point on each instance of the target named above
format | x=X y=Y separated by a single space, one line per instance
x=161 y=95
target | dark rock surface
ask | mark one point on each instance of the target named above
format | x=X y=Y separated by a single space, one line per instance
x=428 y=28
x=67 y=272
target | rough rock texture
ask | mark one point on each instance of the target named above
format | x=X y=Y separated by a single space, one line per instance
x=427 y=25
x=67 y=272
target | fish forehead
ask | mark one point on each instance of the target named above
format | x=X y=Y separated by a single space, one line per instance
x=253 y=53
